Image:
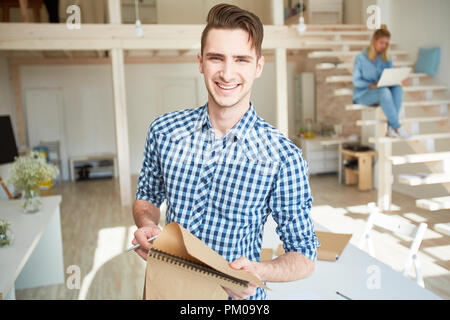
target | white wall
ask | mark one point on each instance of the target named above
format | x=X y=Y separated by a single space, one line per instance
x=88 y=100
x=196 y=11
x=353 y=12
x=417 y=23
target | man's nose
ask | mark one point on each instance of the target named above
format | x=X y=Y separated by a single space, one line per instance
x=227 y=72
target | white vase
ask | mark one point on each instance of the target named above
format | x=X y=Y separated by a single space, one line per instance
x=31 y=201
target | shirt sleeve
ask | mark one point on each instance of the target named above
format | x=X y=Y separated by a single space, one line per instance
x=291 y=202
x=358 y=79
x=150 y=182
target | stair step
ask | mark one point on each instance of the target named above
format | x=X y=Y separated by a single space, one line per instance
x=423 y=178
x=434 y=204
x=325 y=66
x=416 y=137
x=336 y=43
x=358 y=107
x=338 y=33
x=420 y=157
x=349 y=92
x=332 y=54
x=424 y=88
x=348 y=65
x=343 y=92
x=338 y=79
x=425 y=103
x=337 y=27
x=406 y=120
x=443 y=227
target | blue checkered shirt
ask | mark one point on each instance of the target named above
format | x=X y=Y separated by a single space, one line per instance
x=223 y=189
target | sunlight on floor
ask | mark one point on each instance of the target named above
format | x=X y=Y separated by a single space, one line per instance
x=110 y=243
x=390 y=248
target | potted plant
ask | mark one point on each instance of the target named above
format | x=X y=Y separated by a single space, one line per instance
x=5 y=233
x=27 y=174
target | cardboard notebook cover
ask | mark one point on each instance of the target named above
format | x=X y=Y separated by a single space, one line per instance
x=331 y=245
x=182 y=267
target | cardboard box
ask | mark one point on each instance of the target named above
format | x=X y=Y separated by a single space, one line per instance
x=331 y=245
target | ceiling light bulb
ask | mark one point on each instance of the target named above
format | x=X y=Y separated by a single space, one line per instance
x=301 y=25
x=139 y=30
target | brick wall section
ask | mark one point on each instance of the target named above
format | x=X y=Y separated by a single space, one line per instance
x=330 y=109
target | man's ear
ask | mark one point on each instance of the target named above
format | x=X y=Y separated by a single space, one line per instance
x=200 y=62
x=259 y=66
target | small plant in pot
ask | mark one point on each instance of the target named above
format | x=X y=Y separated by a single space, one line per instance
x=5 y=233
x=27 y=174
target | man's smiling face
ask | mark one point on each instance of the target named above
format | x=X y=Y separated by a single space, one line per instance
x=230 y=66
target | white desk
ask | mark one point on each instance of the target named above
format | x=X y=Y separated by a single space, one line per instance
x=350 y=276
x=35 y=258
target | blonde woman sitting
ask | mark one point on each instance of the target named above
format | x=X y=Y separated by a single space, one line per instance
x=367 y=70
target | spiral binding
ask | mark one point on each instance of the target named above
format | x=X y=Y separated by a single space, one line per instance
x=167 y=257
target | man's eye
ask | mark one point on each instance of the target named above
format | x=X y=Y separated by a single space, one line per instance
x=214 y=58
x=242 y=60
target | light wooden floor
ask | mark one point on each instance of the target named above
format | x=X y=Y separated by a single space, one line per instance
x=96 y=230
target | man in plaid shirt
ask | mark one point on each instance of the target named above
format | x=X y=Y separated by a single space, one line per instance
x=222 y=169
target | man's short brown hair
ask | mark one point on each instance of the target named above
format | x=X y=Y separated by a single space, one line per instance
x=227 y=16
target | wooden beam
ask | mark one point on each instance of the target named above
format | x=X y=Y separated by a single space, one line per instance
x=281 y=90
x=128 y=60
x=121 y=121
x=20 y=115
x=114 y=11
x=46 y=36
x=281 y=73
x=24 y=10
x=120 y=108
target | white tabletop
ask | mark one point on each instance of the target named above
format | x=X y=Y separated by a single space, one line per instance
x=356 y=275
x=28 y=229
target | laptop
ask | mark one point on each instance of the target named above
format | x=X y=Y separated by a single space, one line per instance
x=393 y=76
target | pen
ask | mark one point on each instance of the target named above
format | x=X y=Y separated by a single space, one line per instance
x=340 y=294
x=138 y=245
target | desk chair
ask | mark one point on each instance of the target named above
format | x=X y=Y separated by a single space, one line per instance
x=398 y=226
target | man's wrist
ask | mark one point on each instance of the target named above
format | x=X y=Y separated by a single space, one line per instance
x=263 y=269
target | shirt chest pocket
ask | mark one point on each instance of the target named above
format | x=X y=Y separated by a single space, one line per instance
x=241 y=187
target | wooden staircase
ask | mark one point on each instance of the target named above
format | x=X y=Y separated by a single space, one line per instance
x=337 y=54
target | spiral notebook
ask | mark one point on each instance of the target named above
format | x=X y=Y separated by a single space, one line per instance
x=181 y=267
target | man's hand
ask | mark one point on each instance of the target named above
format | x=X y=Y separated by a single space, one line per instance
x=373 y=85
x=141 y=235
x=405 y=82
x=250 y=266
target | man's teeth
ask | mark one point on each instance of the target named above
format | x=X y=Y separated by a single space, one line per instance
x=225 y=87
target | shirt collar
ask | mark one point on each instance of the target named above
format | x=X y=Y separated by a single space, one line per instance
x=239 y=130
